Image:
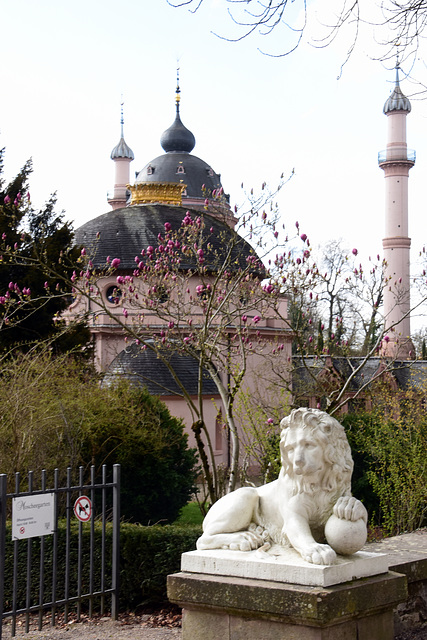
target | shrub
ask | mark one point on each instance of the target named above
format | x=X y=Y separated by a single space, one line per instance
x=147 y=556
x=55 y=414
x=136 y=430
x=392 y=442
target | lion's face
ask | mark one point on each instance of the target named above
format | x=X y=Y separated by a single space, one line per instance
x=315 y=451
x=303 y=453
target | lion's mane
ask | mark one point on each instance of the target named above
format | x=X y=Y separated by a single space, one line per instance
x=330 y=434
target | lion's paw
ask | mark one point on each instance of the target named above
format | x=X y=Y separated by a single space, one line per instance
x=319 y=554
x=349 y=508
x=244 y=541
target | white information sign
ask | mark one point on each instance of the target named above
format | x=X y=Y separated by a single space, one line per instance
x=33 y=516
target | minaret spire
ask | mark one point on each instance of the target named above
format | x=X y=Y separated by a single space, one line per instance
x=122 y=120
x=396 y=161
x=122 y=156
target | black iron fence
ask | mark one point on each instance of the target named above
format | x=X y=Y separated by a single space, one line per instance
x=59 y=546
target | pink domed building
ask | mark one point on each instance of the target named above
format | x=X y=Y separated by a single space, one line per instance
x=174 y=186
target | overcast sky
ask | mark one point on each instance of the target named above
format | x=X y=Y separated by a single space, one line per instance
x=65 y=66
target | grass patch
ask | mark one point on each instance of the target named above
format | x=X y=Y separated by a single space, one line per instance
x=190 y=515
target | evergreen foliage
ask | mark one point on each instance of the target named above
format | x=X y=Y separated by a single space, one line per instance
x=137 y=431
x=147 y=556
x=33 y=244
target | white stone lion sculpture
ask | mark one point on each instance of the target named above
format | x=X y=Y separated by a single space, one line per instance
x=313 y=490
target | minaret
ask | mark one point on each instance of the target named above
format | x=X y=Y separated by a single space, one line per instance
x=396 y=161
x=122 y=155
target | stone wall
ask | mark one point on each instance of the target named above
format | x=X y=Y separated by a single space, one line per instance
x=408 y=555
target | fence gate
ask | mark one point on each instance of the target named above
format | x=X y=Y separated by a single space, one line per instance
x=59 y=546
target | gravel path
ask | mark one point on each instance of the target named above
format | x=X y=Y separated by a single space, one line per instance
x=105 y=629
x=128 y=627
x=101 y=630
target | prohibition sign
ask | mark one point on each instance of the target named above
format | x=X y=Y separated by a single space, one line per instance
x=83 y=509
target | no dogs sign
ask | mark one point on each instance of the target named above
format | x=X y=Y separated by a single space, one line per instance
x=83 y=509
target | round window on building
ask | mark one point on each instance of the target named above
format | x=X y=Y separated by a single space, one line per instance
x=113 y=295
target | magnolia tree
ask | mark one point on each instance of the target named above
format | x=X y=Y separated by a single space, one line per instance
x=201 y=291
x=218 y=295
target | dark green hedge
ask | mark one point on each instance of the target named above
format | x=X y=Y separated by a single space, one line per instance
x=147 y=556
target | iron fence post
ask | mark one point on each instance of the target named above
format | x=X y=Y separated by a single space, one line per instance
x=3 y=493
x=116 y=543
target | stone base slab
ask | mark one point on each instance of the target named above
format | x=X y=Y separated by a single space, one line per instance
x=287 y=566
x=230 y=608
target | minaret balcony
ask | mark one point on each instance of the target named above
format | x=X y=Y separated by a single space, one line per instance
x=398 y=154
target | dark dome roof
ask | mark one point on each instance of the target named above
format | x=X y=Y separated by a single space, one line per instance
x=123 y=233
x=177 y=137
x=145 y=369
x=182 y=168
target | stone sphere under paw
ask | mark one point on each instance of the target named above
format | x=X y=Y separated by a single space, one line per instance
x=344 y=536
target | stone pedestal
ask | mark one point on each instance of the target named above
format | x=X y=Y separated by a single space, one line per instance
x=217 y=607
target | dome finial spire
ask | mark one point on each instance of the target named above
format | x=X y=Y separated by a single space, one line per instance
x=177 y=137
x=178 y=90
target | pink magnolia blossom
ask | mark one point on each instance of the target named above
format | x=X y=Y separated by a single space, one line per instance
x=355 y=252
x=115 y=263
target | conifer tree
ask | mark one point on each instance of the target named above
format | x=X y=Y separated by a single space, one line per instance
x=31 y=242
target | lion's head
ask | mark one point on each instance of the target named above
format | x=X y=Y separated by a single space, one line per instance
x=335 y=459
